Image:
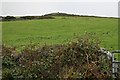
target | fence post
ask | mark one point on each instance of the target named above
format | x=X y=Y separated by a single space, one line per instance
x=113 y=66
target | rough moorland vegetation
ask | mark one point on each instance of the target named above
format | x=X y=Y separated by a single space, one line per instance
x=12 y=18
x=78 y=59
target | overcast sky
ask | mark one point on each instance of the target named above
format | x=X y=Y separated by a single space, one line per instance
x=59 y=0
x=96 y=8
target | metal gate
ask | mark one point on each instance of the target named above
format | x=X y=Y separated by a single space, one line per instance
x=115 y=65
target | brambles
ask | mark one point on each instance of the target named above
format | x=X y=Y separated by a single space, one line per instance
x=78 y=59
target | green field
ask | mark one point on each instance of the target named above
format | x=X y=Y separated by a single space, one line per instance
x=59 y=30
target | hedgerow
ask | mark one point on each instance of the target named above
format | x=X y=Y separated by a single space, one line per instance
x=78 y=59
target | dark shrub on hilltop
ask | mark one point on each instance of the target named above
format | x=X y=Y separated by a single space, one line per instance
x=78 y=59
x=62 y=14
x=12 y=18
x=8 y=18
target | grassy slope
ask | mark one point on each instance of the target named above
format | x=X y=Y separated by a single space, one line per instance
x=59 y=30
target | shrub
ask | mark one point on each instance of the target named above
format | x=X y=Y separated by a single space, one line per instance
x=78 y=59
x=9 y=18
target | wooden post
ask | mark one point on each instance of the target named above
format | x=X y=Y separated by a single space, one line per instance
x=113 y=66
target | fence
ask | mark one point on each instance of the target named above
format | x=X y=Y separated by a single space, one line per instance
x=115 y=65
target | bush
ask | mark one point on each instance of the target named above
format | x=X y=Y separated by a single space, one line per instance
x=78 y=59
x=9 y=18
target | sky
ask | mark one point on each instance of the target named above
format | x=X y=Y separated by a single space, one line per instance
x=108 y=8
x=59 y=0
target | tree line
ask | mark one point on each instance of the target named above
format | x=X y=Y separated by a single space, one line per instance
x=12 y=18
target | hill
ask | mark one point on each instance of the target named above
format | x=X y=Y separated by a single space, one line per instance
x=46 y=16
x=60 y=30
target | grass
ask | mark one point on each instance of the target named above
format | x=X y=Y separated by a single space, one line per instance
x=59 y=31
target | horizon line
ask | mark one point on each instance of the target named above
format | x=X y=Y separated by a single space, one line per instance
x=61 y=12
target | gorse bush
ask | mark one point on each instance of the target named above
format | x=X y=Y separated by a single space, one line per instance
x=79 y=59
